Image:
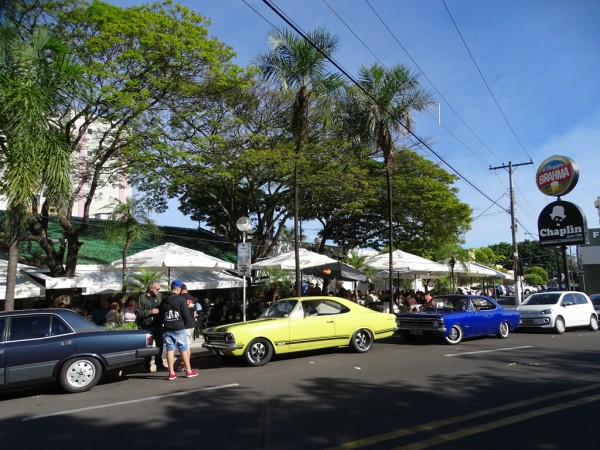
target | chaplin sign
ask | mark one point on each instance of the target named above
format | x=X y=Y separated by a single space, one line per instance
x=562 y=223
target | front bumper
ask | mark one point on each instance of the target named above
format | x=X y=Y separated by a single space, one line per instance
x=536 y=322
x=220 y=341
x=420 y=326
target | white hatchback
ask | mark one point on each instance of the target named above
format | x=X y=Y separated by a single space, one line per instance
x=558 y=310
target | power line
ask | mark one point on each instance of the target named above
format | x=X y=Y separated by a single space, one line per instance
x=342 y=70
x=424 y=75
x=431 y=82
x=484 y=80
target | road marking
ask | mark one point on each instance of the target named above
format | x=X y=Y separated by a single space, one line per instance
x=497 y=424
x=128 y=402
x=489 y=351
x=474 y=415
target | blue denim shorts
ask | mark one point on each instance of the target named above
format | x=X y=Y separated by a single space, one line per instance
x=177 y=339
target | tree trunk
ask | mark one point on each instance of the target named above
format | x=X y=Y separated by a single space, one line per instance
x=13 y=259
x=124 y=261
x=388 y=177
x=297 y=233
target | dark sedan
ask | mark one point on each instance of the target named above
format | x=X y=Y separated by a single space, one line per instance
x=42 y=345
x=595 y=298
x=455 y=317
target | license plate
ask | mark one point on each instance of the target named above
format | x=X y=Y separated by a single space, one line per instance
x=416 y=332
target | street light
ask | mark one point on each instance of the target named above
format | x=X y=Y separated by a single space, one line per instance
x=318 y=241
x=244 y=257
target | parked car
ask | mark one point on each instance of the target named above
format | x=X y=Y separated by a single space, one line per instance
x=553 y=287
x=558 y=310
x=595 y=298
x=525 y=289
x=301 y=323
x=43 y=345
x=455 y=317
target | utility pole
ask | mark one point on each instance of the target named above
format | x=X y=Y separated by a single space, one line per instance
x=513 y=224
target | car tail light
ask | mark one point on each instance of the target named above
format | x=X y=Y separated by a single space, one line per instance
x=149 y=340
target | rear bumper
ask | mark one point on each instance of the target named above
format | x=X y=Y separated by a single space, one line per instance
x=146 y=352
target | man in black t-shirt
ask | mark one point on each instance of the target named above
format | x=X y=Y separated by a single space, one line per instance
x=176 y=317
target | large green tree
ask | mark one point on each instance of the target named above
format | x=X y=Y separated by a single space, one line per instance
x=37 y=77
x=143 y=64
x=426 y=210
x=300 y=65
x=242 y=161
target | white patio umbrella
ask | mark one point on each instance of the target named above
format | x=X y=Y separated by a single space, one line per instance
x=287 y=261
x=468 y=269
x=171 y=256
x=95 y=281
x=404 y=263
x=25 y=287
x=496 y=273
x=471 y=269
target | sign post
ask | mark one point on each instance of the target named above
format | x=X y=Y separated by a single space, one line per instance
x=244 y=257
x=560 y=223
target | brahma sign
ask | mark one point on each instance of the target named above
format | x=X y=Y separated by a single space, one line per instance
x=557 y=176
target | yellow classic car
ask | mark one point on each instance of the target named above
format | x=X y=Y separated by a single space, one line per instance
x=301 y=323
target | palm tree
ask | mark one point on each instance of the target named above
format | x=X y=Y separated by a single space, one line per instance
x=138 y=283
x=358 y=261
x=296 y=64
x=455 y=257
x=36 y=77
x=381 y=111
x=129 y=221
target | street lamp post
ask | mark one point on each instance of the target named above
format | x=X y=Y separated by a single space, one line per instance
x=318 y=243
x=244 y=258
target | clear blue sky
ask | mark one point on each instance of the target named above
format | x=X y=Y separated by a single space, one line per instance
x=539 y=58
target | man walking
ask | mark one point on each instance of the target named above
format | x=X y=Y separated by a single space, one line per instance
x=176 y=318
x=146 y=313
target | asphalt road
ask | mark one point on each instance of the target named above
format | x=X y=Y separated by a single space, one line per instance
x=530 y=391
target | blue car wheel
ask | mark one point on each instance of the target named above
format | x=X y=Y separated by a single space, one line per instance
x=455 y=335
x=503 y=330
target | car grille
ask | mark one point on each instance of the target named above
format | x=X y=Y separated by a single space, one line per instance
x=419 y=323
x=219 y=340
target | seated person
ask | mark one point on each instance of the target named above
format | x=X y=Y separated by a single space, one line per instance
x=129 y=312
x=429 y=301
x=309 y=310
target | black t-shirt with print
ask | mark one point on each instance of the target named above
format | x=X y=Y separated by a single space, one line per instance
x=175 y=314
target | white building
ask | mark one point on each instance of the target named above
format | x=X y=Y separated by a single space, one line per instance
x=113 y=184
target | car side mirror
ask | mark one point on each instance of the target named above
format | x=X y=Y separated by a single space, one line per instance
x=567 y=303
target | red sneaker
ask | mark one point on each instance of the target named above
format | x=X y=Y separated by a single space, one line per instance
x=191 y=374
x=172 y=376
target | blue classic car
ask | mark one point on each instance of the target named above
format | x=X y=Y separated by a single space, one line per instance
x=454 y=317
x=42 y=345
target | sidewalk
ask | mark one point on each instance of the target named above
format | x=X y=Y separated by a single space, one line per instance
x=196 y=347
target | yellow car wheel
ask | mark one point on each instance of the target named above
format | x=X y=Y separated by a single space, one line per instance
x=258 y=352
x=362 y=341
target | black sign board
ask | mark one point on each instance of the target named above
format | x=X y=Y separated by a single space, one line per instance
x=562 y=223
